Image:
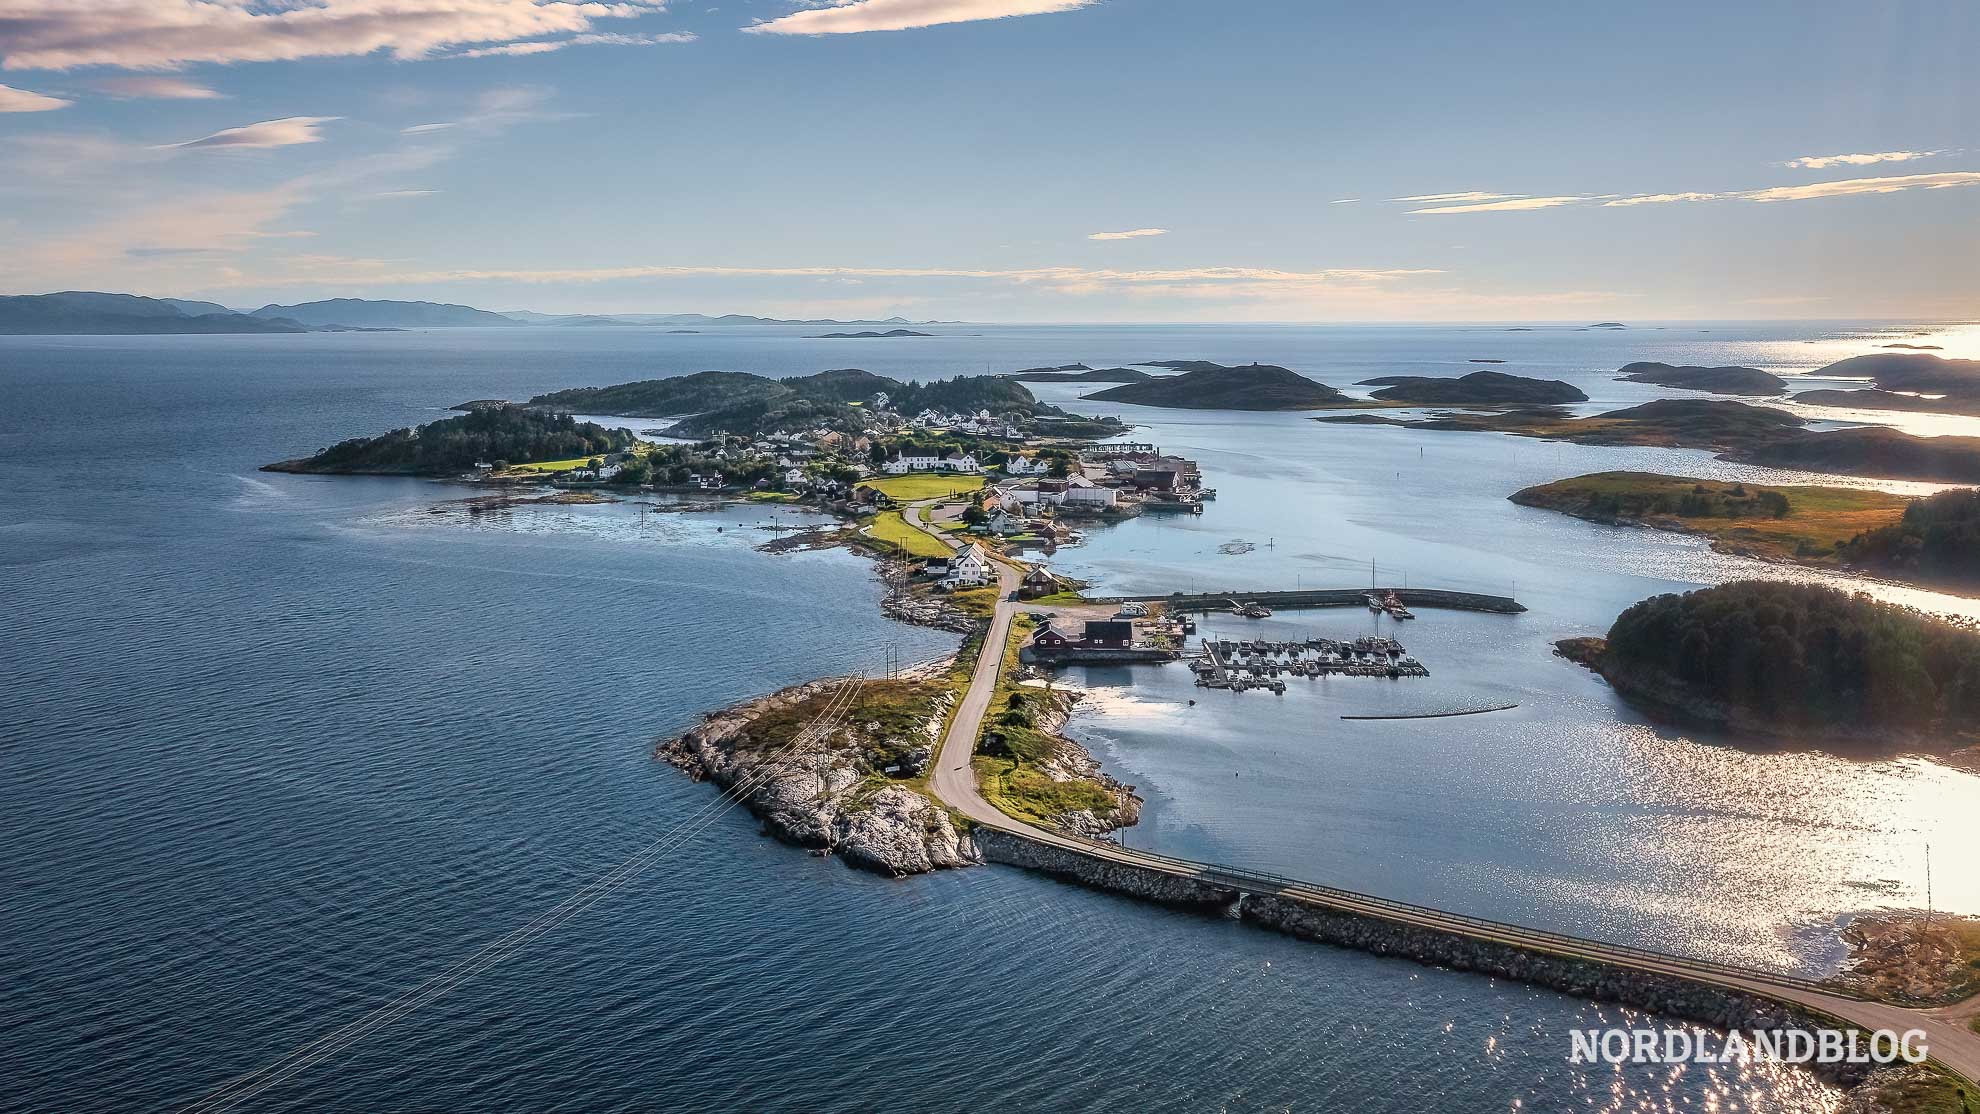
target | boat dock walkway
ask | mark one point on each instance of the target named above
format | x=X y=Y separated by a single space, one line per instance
x=1301 y=598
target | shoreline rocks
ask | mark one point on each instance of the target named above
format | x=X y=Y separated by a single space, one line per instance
x=820 y=795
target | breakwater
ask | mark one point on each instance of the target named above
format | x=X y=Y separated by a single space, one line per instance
x=1297 y=599
x=1434 y=939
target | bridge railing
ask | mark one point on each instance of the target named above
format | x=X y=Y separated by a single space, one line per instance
x=1537 y=936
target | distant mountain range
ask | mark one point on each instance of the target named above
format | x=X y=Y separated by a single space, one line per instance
x=86 y=312
x=73 y=312
x=362 y=313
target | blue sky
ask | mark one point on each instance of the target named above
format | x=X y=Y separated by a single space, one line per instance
x=1580 y=161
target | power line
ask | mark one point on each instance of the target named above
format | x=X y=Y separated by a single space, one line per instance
x=245 y=1087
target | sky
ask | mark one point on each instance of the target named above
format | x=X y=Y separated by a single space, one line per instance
x=1003 y=160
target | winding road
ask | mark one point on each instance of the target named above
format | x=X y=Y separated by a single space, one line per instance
x=1952 y=1041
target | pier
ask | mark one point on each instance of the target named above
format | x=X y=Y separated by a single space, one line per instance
x=1249 y=664
x=1304 y=598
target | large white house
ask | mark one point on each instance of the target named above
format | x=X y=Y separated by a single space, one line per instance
x=969 y=568
x=1026 y=466
x=929 y=462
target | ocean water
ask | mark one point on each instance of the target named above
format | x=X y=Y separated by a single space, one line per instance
x=275 y=749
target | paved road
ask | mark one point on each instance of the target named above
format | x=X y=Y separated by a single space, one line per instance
x=954 y=781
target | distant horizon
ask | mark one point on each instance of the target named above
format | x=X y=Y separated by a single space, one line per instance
x=902 y=318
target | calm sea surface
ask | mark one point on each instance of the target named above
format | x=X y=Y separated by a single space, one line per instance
x=274 y=749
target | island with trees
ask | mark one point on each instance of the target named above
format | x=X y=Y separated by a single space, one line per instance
x=1208 y=386
x=1802 y=524
x=1801 y=662
x=482 y=437
x=1935 y=541
x=711 y=403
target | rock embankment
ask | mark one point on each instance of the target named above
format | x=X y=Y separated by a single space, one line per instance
x=832 y=793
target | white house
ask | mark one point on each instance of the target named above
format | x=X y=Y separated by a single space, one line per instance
x=794 y=477
x=969 y=568
x=929 y=462
x=1086 y=493
x=1026 y=466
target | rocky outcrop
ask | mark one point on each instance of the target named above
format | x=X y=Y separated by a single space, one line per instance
x=820 y=793
x=1069 y=761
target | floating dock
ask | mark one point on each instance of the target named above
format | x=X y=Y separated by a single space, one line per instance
x=1249 y=664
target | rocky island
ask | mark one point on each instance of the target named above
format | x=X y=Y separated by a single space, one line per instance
x=1912 y=381
x=1797 y=662
x=1717 y=380
x=1737 y=431
x=1080 y=373
x=1480 y=388
x=1208 y=386
x=870 y=334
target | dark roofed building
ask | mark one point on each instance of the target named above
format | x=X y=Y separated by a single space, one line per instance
x=1109 y=632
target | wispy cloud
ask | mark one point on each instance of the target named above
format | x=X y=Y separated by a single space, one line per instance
x=1823 y=162
x=427 y=129
x=153 y=88
x=851 y=17
x=1809 y=191
x=1131 y=234
x=1344 y=201
x=287 y=132
x=168 y=34
x=22 y=100
x=1848 y=187
x=545 y=46
x=1441 y=198
x=1510 y=205
x=396 y=195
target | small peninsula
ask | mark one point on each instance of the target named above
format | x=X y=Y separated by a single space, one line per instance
x=1805 y=525
x=1798 y=662
x=1216 y=387
x=1480 y=388
x=486 y=435
x=1717 y=380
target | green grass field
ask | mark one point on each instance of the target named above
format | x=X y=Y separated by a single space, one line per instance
x=890 y=529
x=553 y=465
x=1819 y=518
x=927 y=485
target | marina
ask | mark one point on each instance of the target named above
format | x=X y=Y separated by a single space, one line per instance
x=1247 y=664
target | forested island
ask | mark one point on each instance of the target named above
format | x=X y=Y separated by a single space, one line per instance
x=489 y=435
x=1480 y=388
x=1807 y=525
x=1208 y=386
x=1936 y=540
x=1717 y=380
x=1797 y=661
x=713 y=402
